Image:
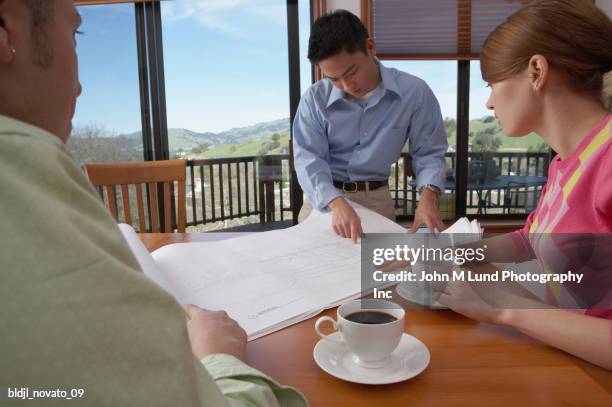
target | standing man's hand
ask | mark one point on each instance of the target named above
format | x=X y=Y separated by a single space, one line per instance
x=345 y=221
x=427 y=212
x=212 y=332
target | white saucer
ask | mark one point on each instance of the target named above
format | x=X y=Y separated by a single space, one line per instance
x=418 y=293
x=409 y=359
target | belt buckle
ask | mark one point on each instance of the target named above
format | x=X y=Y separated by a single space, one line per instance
x=344 y=184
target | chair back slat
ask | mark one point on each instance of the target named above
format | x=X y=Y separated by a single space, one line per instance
x=167 y=208
x=153 y=207
x=110 y=194
x=125 y=198
x=181 y=220
x=142 y=222
x=148 y=174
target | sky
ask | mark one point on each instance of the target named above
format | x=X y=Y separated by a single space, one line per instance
x=226 y=66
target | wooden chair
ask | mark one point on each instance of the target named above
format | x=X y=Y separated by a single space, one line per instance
x=148 y=174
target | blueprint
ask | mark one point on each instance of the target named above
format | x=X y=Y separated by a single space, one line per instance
x=266 y=280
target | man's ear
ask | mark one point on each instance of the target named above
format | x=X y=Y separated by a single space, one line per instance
x=538 y=71
x=371 y=47
x=7 y=50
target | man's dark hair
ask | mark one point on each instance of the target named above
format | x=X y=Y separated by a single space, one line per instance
x=41 y=13
x=334 y=32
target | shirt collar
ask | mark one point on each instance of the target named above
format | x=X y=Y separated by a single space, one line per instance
x=335 y=95
x=387 y=80
x=10 y=125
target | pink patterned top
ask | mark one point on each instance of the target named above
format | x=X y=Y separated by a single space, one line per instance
x=576 y=199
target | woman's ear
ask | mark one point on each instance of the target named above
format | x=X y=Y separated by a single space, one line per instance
x=538 y=71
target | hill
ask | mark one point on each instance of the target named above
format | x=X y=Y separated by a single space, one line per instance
x=94 y=143
x=183 y=140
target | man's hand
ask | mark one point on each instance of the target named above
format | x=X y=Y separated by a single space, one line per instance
x=345 y=221
x=427 y=212
x=212 y=332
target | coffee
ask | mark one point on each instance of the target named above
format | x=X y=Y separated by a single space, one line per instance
x=371 y=329
x=370 y=317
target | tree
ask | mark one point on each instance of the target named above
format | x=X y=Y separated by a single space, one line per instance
x=482 y=167
x=490 y=131
x=275 y=137
x=201 y=148
x=264 y=149
x=488 y=119
x=95 y=143
x=538 y=148
x=450 y=125
x=485 y=144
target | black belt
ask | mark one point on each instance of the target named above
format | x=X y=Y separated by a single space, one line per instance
x=354 y=186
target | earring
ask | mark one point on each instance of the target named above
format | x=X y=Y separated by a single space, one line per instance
x=13 y=50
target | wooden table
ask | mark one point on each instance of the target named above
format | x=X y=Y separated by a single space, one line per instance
x=471 y=364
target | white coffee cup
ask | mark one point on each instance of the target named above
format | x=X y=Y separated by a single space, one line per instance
x=370 y=344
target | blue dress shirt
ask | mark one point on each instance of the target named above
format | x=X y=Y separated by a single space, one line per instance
x=338 y=137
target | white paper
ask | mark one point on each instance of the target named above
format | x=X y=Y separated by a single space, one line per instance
x=463 y=231
x=272 y=279
x=144 y=258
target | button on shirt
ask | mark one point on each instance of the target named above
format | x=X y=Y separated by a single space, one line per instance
x=339 y=137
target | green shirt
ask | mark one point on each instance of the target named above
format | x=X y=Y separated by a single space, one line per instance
x=76 y=312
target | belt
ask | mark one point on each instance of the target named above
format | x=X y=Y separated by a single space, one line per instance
x=354 y=186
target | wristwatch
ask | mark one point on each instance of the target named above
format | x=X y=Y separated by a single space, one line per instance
x=431 y=187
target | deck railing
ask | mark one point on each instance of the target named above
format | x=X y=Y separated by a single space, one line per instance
x=221 y=189
x=510 y=163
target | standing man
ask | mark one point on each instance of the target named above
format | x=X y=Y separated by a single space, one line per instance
x=352 y=125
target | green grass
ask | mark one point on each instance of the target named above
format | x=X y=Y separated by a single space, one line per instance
x=520 y=143
x=243 y=149
x=508 y=143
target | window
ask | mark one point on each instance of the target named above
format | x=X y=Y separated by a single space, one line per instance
x=305 y=67
x=227 y=93
x=441 y=76
x=505 y=174
x=107 y=125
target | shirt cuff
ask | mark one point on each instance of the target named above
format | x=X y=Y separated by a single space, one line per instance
x=222 y=367
x=435 y=178
x=324 y=194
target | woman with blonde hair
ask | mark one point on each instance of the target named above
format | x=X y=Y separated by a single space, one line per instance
x=546 y=66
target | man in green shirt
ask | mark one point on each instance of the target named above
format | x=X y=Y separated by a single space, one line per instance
x=76 y=311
